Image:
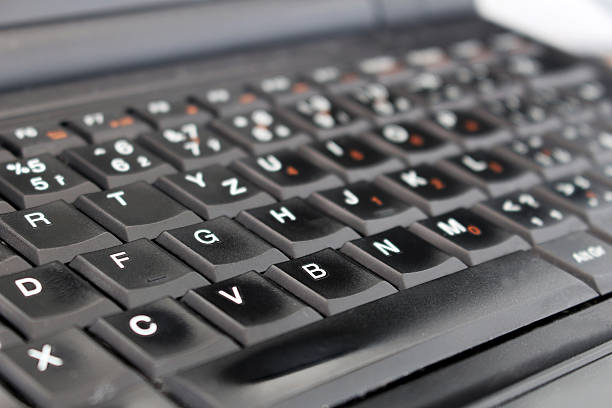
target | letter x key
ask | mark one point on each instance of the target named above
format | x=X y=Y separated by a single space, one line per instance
x=45 y=358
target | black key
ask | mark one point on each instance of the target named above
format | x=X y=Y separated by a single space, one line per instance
x=135 y=211
x=66 y=370
x=286 y=174
x=261 y=131
x=468 y=236
x=5 y=207
x=31 y=140
x=167 y=113
x=323 y=117
x=439 y=91
x=381 y=103
x=472 y=129
x=351 y=158
x=384 y=68
x=214 y=191
x=329 y=282
x=7 y=339
x=334 y=78
x=48 y=298
x=220 y=248
x=191 y=146
x=592 y=139
x=140 y=396
x=108 y=125
x=365 y=207
x=226 y=101
x=544 y=156
x=40 y=180
x=53 y=232
x=5 y=155
x=137 y=273
x=489 y=171
x=532 y=219
x=250 y=308
x=402 y=258
x=282 y=88
x=583 y=255
x=296 y=228
x=10 y=262
x=431 y=189
x=432 y=58
x=414 y=142
x=117 y=163
x=162 y=337
x=352 y=353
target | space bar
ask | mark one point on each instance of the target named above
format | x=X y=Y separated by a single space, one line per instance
x=348 y=354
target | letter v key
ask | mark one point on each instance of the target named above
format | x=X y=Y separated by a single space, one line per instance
x=234 y=297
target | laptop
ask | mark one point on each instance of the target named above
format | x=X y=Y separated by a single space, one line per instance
x=266 y=203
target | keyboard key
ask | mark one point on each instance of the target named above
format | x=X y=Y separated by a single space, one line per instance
x=261 y=131
x=592 y=139
x=429 y=59
x=162 y=337
x=356 y=350
x=286 y=174
x=468 y=236
x=334 y=78
x=439 y=91
x=7 y=339
x=40 y=180
x=107 y=125
x=416 y=143
x=220 y=248
x=48 y=298
x=214 y=191
x=228 y=100
x=10 y=262
x=402 y=258
x=53 y=232
x=544 y=156
x=323 y=117
x=136 y=273
x=329 y=282
x=282 y=88
x=5 y=207
x=66 y=370
x=170 y=113
x=250 y=308
x=31 y=140
x=431 y=189
x=384 y=68
x=532 y=219
x=365 y=207
x=489 y=171
x=135 y=211
x=472 y=129
x=583 y=255
x=191 y=146
x=351 y=158
x=296 y=228
x=117 y=163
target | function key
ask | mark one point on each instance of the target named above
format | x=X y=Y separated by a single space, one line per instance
x=213 y=192
x=490 y=171
x=48 y=298
x=472 y=51
x=54 y=231
x=107 y=125
x=296 y=228
x=162 y=337
x=117 y=163
x=191 y=146
x=439 y=91
x=261 y=131
x=351 y=158
x=250 y=308
x=416 y=143
x=334 y=78
x=429 y=59
x=171 y=113
x=534 y=220
x=402 y=258
x=282 y=88
x=527 y=117
x=329 y=282
x=471 y=129
x=544 y=156
x=365 y=207
x=486 y=78
x=30 y=140
x=229 y=100
x=40 y=180
x=592 y=139
x=510 y=43
x=385 y=68
x=323 y=117
x=135 y=211
x=468 y=236
x=431 y=189
x=286 y=174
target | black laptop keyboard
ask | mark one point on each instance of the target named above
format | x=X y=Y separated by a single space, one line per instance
x=242 y=246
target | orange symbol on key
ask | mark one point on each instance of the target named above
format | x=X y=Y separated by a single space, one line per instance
x=121 y=122
x=191 y=109
x=496 y=167
x=246 y=98
x=356 y=155
x=292 y=171
x=471 y=125
x=474 y=230
x=416 y=140
x=376 y=200
x=57 y=134
x=300 y=87
x=437 y=183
